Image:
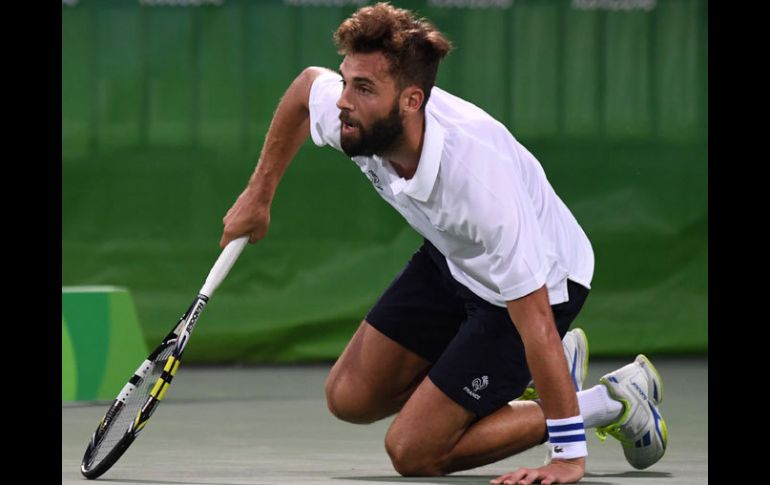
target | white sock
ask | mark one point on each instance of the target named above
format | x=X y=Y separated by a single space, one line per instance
x=597 y=407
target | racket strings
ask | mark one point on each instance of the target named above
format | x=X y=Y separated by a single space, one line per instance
x=128 y=412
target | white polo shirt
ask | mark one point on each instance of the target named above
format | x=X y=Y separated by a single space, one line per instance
x=478 y=195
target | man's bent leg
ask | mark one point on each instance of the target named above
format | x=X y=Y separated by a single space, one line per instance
x=373 y=377
x=406 y=331
x=460 y=416
x=433 y=435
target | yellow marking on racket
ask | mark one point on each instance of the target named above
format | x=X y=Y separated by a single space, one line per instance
x=154 y=392
x=176 y=366
x=163 y=391
x=169 y=363
x=139 y=428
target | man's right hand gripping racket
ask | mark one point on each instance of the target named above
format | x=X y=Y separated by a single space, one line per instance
x=139 y=398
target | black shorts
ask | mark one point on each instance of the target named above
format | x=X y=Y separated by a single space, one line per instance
x=476 y=352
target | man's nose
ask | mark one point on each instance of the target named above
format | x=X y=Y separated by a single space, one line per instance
x=343 y=103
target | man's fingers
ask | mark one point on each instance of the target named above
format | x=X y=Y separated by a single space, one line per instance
x=548 y=480
x=512 y=478
x=507 y=478
x=227 y=214
x=529 y=477
x=523 y=476
x=548 y=475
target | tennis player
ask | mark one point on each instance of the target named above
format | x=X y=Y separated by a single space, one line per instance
x=480 y=309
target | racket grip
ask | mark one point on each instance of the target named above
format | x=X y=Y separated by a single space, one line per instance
x=225 y=261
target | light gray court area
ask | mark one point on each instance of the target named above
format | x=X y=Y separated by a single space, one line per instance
x=270 y=425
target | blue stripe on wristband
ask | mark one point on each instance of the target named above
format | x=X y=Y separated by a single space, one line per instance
x=568 y=439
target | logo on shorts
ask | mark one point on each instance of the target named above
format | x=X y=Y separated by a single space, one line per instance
x=478 y=384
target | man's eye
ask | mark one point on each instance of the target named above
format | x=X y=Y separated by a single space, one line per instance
x=364 y=90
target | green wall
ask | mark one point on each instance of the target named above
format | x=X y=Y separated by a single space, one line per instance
x=164 y=110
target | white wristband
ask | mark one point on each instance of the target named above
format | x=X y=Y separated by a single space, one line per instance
x=567 y=437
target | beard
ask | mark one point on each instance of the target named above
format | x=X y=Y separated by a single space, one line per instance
x=377 y=139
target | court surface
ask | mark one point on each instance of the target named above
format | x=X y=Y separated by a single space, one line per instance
x=270 y=425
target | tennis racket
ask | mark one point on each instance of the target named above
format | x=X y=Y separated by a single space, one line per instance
x=139 y=398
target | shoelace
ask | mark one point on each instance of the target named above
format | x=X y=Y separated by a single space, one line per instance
x=612 y=430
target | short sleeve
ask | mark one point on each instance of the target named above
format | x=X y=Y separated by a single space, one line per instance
x=513 y=244
x=324 y=114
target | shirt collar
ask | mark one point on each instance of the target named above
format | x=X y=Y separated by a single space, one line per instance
x=421 y=185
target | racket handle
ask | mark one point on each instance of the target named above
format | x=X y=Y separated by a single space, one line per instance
x=225 y=261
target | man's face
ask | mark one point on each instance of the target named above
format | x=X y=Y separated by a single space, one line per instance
x=369 y=108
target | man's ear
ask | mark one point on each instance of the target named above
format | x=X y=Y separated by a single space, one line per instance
x=412 y=99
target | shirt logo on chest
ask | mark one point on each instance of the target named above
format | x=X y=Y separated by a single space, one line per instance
x=374 y=178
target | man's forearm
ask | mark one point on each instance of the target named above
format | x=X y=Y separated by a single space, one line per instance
x=546 y=361
x=289 y=128
x=534 y=321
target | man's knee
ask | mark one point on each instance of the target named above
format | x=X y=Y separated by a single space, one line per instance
x=410 y=459
x=349 y=403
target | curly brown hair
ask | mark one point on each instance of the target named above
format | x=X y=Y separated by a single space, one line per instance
x=413 y=46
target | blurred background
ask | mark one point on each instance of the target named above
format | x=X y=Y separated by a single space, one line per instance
x=165 y=105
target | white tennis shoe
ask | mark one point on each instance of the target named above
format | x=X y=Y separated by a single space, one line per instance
x=640 y=429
